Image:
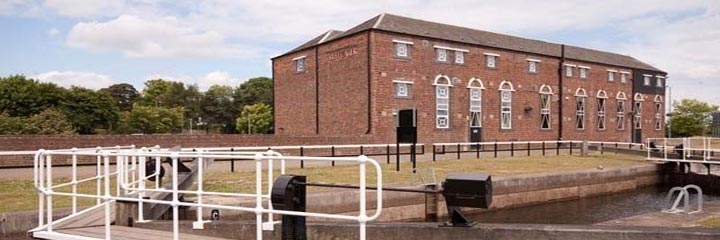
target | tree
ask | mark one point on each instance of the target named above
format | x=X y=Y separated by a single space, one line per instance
x=23 y=97
x=260 y=119
x=255 y=90
x=51 y=121
x=151 y=119
x=15 y=125
x=89 y=111
x=124 y=94
x=163 y=93
x=218 y=108
x=691 y=118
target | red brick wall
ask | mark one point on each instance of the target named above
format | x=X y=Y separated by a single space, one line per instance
x=596 y=81
x=648 y=115
x=294 y=95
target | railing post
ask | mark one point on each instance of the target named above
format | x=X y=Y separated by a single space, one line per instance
x=543 y=148
x=602 y=148
x=477 y=150
x=106 y=199
x=397 y=156
x=175 y=197
x=387 y=153
x=458 y=151
x=361 y=150
x=48 y=187
x=433 y=153
x=141 y=193
x=258 y=196
x=528 y=148
x=332 y=154
x=363 y=215
x=98 y=174
x=302 y=154
x=74 y=180
x=232 y=161
x=512 y=149
x=199 y=210
x=495 y=149
x=413 y=158
x=571 y=147
x=557 y=148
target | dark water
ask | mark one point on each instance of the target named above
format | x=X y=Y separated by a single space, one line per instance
x=588 y=210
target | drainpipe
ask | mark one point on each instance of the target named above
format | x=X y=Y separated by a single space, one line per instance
x=561 y=76
x=369 y=84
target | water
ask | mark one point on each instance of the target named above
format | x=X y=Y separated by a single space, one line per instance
x=589 y=210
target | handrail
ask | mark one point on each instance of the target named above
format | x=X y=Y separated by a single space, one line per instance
x=130 y=175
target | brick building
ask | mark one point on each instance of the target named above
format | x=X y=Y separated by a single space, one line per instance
x=465 y=85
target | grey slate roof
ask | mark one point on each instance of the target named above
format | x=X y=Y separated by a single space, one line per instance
x=405 y=25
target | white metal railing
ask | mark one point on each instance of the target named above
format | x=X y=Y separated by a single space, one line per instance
x=684 y=150
x=503 y=143
x=130 y=185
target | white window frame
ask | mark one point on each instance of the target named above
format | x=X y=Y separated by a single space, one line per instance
x=475 y=85
x=637 y=109
x=491 y=60
x=506 y=88
x=611 y=75
x=546 y=95
x=580 y=106
x=569 y=68
x=442 y=103
x=621 y=109
x=584 y=72
x=624 y=77
x=533 y=66
x=299 y=64
x=400 y=44
x=659 y=80
x=459 y=57
x=441 y=54
x=647 y=79
x=601 y=107
x=659 y=112
x=397 y=84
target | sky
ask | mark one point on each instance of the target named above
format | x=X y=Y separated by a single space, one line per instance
x=98 y=43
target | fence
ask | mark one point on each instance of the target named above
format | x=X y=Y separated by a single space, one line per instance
x=497 y=147
x=690 y=150
x=130 y=180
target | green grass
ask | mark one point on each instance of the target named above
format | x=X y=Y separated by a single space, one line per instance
x=17 y=195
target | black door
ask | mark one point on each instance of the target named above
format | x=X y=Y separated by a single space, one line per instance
x=637 y=135
x=475 y=134
x=407 y=126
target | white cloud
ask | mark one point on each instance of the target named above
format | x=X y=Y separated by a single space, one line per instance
x=81 y=79
x=86 y=8
x=165 y=37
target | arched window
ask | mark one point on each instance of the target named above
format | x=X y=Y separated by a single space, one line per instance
x=476 y=87
x=580 y=97
x=621 y=99
x=442 y=101
x=659 y=110
x=545 y=110
x=506 y=88
x=601 y=99
x=637 y=110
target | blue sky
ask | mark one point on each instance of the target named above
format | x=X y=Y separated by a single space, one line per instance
x=98 y=43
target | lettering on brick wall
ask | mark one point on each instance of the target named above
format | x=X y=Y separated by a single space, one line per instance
x=343 y=53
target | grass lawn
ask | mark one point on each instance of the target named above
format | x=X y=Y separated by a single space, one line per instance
x=20 y=195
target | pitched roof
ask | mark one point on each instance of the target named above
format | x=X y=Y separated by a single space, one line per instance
x=405 y=25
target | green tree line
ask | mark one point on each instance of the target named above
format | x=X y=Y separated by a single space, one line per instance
x=28 y=106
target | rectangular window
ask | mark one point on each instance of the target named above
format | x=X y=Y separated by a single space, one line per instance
x=584 y=72
x=623 y=77
x=646 y=80
x=442 y=106
x=441 y=55
x=601 y=114
x=475 y=107
x=568 y=71
x=621 y=114
x=659 y=82
x=300 y=64
x=611 y=76
x=532 y=66
x=401 y=50
x=506 y=109
x=491 y=60
x=637 y=117
x=580 y=113
x=402 y=89
x=545 y=111
x=459 y=57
